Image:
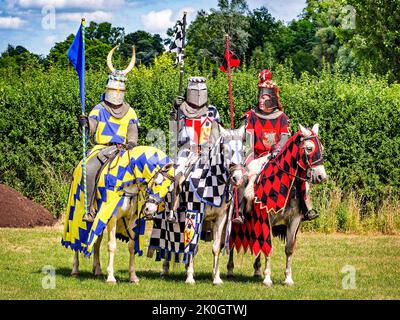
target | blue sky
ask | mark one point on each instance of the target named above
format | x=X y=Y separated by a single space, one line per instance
x=39 y=24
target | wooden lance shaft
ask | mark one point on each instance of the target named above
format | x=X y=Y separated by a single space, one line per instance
x=231 y=111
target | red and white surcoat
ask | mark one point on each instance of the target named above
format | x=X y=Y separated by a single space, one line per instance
x=266 y=131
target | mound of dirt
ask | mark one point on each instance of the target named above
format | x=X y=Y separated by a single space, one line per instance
x=17 y=211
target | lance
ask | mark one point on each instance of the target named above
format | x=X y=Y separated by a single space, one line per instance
x=84 y=134
x=232 y=113
x=175 y=197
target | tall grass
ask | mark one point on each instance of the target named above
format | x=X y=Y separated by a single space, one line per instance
x=343 y=212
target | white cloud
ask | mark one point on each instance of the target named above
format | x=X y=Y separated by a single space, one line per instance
x=50 y=40
x=98 y=16
x=71 y=4
x=11 y=22
x=158 y=21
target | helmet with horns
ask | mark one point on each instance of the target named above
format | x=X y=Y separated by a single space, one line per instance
x=115 y=88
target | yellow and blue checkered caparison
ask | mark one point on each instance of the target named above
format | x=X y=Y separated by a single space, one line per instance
x=110 y=129
x=137 y=166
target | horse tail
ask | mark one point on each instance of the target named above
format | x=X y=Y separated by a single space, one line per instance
x=280 y=232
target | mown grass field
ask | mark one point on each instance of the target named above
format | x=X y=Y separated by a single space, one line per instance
x=317 y=266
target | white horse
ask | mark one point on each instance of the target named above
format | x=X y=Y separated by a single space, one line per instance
x=229 y=148
x=156 y=183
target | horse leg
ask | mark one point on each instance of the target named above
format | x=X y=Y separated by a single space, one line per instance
x=132 y=272
x=218 y=231
x=289 y=248
x=257 y=267
x=96 y=258
x=267 y=279
x=112 y=246
x=165 y=268
x=230 y=266
x=75 y=265
x=190 y=271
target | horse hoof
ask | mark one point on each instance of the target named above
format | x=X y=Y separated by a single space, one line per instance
x=217 y=282
x=111 y=281
x=230 y=276
x=267 y=284
x=190 y=281
x=289 y=283
x=75 y=274
x=135 y=281
x=257 y=275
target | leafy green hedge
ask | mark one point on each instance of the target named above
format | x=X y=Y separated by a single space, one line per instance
x=359 y=117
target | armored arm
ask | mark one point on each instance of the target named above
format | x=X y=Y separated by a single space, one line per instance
x=85 y=121
x=132 y=136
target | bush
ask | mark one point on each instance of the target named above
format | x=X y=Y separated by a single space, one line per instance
x=359 y=119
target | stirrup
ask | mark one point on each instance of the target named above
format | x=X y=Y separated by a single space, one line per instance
x=238 y=220
x=171 y=217
x=311 y=216
x=89 y=217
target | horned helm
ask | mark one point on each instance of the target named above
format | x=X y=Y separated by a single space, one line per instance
x=197 y=94
x=115 y=87
x=266 y=86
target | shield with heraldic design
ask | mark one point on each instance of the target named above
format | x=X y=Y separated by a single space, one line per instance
x=190 y=228
x=268 y=139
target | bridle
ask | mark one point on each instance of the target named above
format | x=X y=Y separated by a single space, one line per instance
x=151 y=197
x=309 y=164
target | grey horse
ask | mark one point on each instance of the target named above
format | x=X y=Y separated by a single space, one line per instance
x=285 y=224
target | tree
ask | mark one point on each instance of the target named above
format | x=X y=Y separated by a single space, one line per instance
x=147 y=46
x=105 y=32
x=263 y=31
x=206 y=34
x=376 y=38
x=19 y=58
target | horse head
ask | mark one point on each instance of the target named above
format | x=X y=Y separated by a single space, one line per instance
x=232 y=146
x=311 y=154
x=157 y=188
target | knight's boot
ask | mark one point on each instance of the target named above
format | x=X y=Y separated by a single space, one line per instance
x=172 y=217
x=89 y=216
x=238 y=217
x=311 y=213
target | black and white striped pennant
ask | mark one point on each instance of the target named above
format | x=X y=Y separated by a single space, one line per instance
x=177 y=45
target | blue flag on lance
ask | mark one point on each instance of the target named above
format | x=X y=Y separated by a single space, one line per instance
x=76 y=54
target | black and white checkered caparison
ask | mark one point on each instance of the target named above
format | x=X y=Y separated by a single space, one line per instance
x=177 y=45
x=206 y=184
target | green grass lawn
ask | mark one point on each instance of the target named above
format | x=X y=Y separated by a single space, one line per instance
x=317 y=266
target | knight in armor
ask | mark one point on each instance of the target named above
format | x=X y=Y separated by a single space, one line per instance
x=198 y=127
x=112 y=124
x=268 y=128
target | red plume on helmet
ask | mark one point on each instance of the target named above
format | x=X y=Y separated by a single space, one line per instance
x=265 y=75
x=266 y=86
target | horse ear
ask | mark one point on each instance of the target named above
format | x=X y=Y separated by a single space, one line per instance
x=315 y=128
x=304 y=131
